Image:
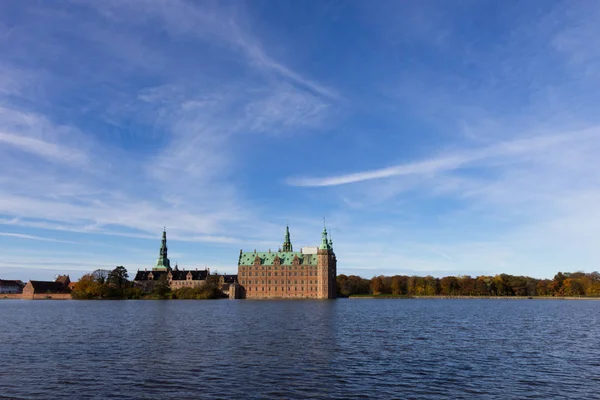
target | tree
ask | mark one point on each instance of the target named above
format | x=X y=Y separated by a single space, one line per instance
x=349 y=285
x=88 y=287
x=118 y=278
x=161 y=287
x=573 y=287
x=557 y=284
x=396 y=285
x=100 y=275
x=431 y=286
x=449 y=286
x=376 y=284
x=542 y=288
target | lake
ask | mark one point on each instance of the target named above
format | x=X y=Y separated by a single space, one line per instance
x=345 y=348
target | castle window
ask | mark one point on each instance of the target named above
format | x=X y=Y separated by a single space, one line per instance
x=295 y=282
x=263 y=289
x=269 y=282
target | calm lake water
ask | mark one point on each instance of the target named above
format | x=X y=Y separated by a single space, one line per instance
x=404 y=349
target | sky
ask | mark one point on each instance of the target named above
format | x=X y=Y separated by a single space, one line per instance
x=434 y=137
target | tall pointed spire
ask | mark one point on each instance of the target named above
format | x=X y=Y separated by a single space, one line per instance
x=163 y=262
x=287 y=243
x=324 y=242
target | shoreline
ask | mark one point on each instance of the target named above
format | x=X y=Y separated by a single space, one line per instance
x=474 y=297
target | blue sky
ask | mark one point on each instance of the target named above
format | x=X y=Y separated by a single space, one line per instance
x=435 y=137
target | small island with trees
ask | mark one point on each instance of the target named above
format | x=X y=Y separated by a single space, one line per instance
x=115 y=284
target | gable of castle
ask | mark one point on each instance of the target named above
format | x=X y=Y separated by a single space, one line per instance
x=285 y=258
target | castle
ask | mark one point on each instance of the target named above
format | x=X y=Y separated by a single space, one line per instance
x=309 y=273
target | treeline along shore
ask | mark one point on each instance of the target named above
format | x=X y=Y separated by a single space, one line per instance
x=115 y=284
x=564 y=284
x=102 y=284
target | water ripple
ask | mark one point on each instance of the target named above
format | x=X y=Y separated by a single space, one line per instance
x=392 y=349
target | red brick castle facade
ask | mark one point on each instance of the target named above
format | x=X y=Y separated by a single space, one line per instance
x=309 y=273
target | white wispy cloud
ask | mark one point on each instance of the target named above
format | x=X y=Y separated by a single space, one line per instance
x=33 y=237
x=450 y=162
x=210 y=23
x=43 y=149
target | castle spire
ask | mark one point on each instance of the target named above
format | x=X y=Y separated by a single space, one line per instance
x=287 y=243
x=324 y=242
x=163 y=262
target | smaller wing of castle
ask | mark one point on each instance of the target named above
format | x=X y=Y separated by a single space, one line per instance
x=176 y=278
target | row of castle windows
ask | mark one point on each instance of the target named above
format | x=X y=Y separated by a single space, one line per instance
x=282 y=289
x=185 y=283
x=169 y=279
x=275 y=282
x=255 y=273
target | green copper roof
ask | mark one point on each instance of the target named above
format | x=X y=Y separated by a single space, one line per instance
x=287 y=243
x=163 y=261
x=325 y=245
x=286 y=258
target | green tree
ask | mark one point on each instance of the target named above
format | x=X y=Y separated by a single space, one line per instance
x=118 y=283
x=118 y=278
x=161 y=287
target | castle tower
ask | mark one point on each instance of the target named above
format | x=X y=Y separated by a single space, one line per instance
x=287 y=244
x=163 y=263
x=326 y=268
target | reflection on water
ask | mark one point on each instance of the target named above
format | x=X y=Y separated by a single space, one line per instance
x=300 y=349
